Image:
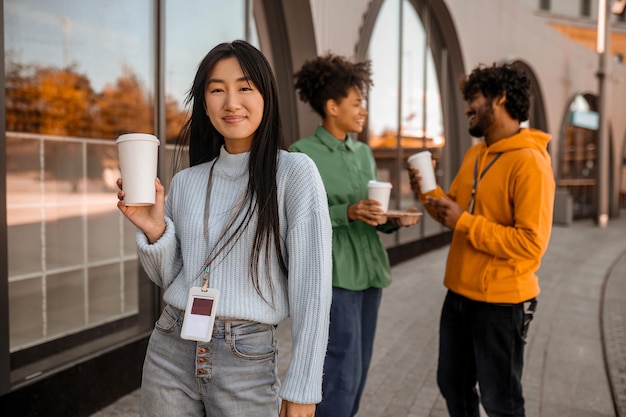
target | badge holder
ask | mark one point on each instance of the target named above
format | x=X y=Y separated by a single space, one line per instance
x=200 y=314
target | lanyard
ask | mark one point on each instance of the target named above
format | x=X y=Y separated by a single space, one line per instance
x=210 y=258
x=477 y=179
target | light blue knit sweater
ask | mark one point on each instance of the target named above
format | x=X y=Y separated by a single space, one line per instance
x=175 y=261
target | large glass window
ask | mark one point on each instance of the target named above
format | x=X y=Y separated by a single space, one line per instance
x=79 y=74
x=405 y=111
x=578 y=156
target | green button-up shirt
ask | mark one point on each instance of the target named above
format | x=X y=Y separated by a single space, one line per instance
x=359 y=258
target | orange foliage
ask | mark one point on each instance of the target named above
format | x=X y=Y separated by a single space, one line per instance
x=62 y=102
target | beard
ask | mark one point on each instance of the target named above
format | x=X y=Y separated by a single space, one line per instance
x=484 y=119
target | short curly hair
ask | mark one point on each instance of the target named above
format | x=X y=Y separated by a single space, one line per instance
x=498 y=80
x=330 y=77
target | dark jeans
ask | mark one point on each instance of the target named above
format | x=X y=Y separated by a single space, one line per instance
x=353 y=316
x=484 y=343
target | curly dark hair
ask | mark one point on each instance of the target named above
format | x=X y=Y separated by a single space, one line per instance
x=497 y=80
x=330 y=77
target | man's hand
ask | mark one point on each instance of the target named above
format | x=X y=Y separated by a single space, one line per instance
x=414 y=179
x=448 y=211
x=289 y=409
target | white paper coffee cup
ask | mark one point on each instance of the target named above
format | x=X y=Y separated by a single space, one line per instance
x=380 y=191
x=138 y=156
x=423 y=161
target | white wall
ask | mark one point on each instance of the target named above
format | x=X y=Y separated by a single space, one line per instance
x=492 y=30
x=337 y=24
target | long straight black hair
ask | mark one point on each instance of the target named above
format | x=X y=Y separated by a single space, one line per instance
x=204 y=143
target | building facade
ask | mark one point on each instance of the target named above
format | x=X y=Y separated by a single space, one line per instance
x=76 y=309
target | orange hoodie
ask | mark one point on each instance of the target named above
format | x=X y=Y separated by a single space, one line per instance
x=496 y=251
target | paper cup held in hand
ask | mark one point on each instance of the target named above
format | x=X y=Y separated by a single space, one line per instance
x=424 y=163
x=138 y=155
x=380 y=191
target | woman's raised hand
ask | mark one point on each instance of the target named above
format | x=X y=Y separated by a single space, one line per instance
x=149 y=219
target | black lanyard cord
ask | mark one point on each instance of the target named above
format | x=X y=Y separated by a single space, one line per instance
x=477 y=178
x=211 y=256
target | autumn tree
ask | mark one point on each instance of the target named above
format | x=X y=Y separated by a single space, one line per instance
x=124 y=107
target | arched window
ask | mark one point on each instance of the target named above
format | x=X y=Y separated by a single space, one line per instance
x=578 y=159
x=405 y=105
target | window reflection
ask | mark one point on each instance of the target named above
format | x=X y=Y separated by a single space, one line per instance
x=186 y=45
x=86 y=71
x=578 y=164
x=78 y=74
x=405 y=117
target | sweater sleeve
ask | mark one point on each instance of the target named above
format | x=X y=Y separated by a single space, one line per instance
x=162 y=259
x=309 y=246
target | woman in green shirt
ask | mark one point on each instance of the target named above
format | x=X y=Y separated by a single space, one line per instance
x=333 y=87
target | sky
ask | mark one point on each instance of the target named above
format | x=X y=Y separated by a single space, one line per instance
x=99 y=38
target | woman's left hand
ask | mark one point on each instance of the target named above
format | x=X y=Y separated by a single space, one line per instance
x=289 y=409
x=367 y=211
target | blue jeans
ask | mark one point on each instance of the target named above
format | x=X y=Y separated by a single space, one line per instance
x=353 y=317
x=484 y=343
x=233 y=375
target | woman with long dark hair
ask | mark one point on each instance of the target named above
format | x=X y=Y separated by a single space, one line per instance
x=248 y=222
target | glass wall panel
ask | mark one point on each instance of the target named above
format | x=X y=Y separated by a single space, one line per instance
x=578 y=162
x=26 y=312
x=101 y=224
x=24 y=208
x=65 y=303
x=130 y=303
x=404 y=117
x=106 y=289
x=78 y=74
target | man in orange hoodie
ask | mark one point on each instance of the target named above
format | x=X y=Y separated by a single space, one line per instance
x=499 y=207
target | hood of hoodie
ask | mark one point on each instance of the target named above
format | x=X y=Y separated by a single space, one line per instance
x=525 y=138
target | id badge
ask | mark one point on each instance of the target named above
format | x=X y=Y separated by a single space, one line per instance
x=200 y=314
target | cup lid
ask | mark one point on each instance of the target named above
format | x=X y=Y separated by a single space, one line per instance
x=137 y=136
x=420 y=155
x=381 y=184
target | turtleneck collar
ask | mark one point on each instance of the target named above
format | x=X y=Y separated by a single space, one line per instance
x=232 y=165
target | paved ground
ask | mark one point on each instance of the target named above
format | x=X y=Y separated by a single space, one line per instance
x=576 y=351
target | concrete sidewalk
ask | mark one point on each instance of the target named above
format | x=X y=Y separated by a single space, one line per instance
x=565 y=372
x=581 y=314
